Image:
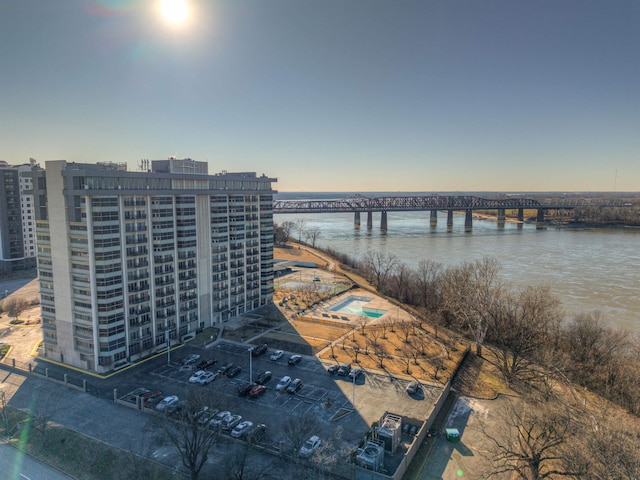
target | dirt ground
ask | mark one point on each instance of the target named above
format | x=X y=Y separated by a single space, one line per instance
x=24 y=337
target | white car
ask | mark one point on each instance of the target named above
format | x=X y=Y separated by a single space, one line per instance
x=195 y=378
x=219 y=417
x=241 y=429
x=277 y=355
x=166 y=401
x=283 y=384
x=310 y=446
x=208 y=377
x=231 y=421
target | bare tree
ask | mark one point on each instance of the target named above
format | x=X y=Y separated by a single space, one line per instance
x=427 y=279
x=523 y=327
x=407 y=329
x=375 y=334
x=379 y=266
x=282 y=231
x=45 y=406
x=384 y=325
x=605 y=450
x=438 y=366
x=401 y=283
x=299 y=428
x=300 y=227
x=470 y=292
x=14 y=306
x=191 y=438
x=238 y=465
x=362 y=322
x=312 y=235
x=380 y=351
x=356 y=351
x=531 y=444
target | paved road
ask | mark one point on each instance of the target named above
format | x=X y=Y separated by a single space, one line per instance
x=15 y=465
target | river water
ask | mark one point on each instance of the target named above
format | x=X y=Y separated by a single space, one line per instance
x=587 y=269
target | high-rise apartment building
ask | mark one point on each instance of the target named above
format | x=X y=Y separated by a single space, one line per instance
x=17 y=226
x=128 y=260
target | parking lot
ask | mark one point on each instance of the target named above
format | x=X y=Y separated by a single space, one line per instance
x=329 y=398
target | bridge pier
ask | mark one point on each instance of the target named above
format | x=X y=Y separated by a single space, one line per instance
x=449 y=218
x=369 y=220
x=383 y=221
x=468 y=219
x=540 y=218
x=356 y=219
x=501 y=217
x=521 y=215
x=433 y=220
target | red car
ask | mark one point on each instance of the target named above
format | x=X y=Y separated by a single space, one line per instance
x=257 y=391
x=152 y=399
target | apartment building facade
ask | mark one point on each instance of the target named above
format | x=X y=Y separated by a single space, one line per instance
x=130 y=261
x=17 y=225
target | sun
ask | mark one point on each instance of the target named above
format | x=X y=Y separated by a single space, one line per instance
x=175 y=12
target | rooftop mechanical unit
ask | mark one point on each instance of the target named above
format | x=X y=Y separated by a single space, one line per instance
x=390 y=431
x=371 y=456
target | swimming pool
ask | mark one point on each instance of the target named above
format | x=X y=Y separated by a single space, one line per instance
x=355 y=305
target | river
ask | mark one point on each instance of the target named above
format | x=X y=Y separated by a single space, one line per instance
x=586 y=268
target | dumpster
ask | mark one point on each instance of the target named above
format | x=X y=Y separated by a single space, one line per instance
x=452 y=434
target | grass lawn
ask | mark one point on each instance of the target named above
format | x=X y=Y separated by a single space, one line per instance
x=80 y=456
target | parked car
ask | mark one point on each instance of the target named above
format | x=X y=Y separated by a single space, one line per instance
x=283 y=383
x=257 y=390
x=176 y=408
x=203 y=365
x=199 y=413
x=231 y=421
x=344 y=369
x=332 y=369
x=316 y=279
x=218 y=418
x=263 y=378
x=310 y=446
x=165 y=402
x=355 y=373
x=191 y=359
x=138 y=392
x=257 y=432
x=234 y=371
x=277 y=355
x=208 y=377
x=245 y=389
x=151 y=399
x=241 y=429
x=294 y=359
x=206 y=417
x=195 y=378
x=226 y=367
x=294 y=386
x=257 y=351
x=412 y=388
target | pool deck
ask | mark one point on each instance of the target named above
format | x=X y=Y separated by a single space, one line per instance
x=321 y=312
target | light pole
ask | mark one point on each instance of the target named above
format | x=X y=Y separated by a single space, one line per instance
x=250 y=350
x=353 y=400
x=169 y=347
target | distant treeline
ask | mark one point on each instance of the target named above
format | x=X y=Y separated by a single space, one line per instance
x=607 y=216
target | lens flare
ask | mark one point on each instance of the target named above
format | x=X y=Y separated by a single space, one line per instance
x=175 y=12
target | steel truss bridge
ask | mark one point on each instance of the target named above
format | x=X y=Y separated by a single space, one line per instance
x=433 y=203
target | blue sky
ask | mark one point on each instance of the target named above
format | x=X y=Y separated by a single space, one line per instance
x=333 y=95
